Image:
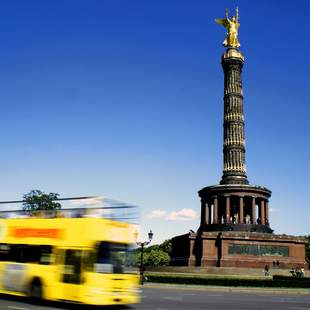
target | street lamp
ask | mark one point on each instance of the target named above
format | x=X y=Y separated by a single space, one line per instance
x=142 y=245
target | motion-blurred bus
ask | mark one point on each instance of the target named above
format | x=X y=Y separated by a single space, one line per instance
x=81 y=258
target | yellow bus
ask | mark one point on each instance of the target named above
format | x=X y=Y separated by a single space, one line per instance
x=81 y=259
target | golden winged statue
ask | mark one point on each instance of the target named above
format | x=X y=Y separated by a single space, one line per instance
x=232 y=26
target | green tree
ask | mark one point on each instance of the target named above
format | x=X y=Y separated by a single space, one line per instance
x=133 y=258
x=154 y=255
x=166 y=246
x=308 y=249
x=38 y=200
x=156 y=258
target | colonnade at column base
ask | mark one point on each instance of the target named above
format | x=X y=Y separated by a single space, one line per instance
x=237 y=227
x=235 y=207
x=235 y=232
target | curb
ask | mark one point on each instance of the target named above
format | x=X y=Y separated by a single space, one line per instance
x=271 y=291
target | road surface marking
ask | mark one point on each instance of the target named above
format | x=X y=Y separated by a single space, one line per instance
x=300 y=308
x=173 y=298
x=18 y=308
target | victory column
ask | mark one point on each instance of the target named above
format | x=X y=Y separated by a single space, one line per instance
x=234 y=201
x=234 y=230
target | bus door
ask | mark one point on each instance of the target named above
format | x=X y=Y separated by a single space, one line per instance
x=71 y=276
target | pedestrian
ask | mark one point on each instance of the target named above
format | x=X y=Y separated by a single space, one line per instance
x=247 y=219
x=266 y=269
x=302 y=272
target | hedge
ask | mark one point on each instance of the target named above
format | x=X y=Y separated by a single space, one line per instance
x=277 y=281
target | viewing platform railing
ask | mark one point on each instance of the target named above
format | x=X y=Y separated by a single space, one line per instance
x=75 y=207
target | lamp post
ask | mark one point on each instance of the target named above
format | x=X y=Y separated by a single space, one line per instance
x=142 y=245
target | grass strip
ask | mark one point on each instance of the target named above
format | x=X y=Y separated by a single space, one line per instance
x=284 y=282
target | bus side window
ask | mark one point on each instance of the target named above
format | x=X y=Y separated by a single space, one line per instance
x=59 y=256
x=29 y=254
x=72 y=268
x=104 y=253
x=89 y=259
x=20 y=253
x=15 y=254
x=23 y=253
x=4 y=252
x=45 y=255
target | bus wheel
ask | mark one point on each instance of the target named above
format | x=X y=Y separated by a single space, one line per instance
x=36 y=290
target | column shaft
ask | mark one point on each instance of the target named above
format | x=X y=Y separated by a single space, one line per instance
x=234 y=171
x=262 y=212
x=267 y=211
x=253 y=210
x=207 y=217
x=215 y=211
x=241 y=213
x=227 y=209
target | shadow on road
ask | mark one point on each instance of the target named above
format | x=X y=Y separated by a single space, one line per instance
x=60 y=305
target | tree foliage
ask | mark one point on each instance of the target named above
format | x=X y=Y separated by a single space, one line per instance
x=155 y=255
x=166 y=246
x=308 y=249
x=38 y=200
x=133 y=258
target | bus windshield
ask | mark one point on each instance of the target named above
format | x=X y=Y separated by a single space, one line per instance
x=112 y=258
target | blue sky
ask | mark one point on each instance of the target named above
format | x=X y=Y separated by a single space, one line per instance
x=124 y=99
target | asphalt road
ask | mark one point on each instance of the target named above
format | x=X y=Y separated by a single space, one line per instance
x=179 y=298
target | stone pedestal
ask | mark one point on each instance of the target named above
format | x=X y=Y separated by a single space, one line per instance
x=242 y=249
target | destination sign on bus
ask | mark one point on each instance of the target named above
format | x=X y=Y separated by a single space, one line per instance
x=53 y=233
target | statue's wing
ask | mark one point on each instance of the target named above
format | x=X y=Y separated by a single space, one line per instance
x=222 y=21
